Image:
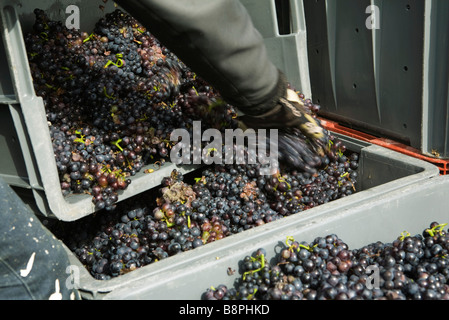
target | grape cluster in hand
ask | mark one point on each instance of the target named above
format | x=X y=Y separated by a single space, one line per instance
x=410 y=268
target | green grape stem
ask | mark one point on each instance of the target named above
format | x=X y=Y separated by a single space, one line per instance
x=261 y=258
x=432 y=232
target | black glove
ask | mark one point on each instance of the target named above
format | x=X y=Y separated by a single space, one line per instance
x=295 y=152
x=301 y=139
x=287 y=114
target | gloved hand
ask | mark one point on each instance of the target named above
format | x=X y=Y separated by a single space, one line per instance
x=301 y=139
x=296 y=153
x=288 y=113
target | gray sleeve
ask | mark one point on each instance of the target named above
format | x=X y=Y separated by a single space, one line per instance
x=217 y=40
x=33 y=263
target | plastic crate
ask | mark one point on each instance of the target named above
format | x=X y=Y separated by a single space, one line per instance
x=384 y=219
x=282 y=25
x=28 y=162
x=389 y=78
x=382 y=172
x=442 y=164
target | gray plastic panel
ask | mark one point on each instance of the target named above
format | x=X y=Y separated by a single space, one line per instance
x=381 y=173
x=6 y=88
x=390 y=81
x=286 y=50
x=435 y=129
x=12 y=164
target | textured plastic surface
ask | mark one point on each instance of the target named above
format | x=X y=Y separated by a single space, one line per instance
x=285 y=37
x=28 y=160
x=389 y=78
x=382 y=172
x=435 y=130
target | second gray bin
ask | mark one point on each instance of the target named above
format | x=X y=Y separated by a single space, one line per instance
x=411 y=208
x=381 y=173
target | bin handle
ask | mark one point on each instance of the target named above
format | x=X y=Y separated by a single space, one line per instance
x=297 y=17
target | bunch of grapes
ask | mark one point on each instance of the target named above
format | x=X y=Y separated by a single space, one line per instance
x=410 y=268
x=187 y=212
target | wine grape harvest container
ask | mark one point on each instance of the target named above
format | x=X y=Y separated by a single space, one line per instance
x=378 y=210
x=393 y=189
x=381 y=67
x=186 y=276
x=27 y=162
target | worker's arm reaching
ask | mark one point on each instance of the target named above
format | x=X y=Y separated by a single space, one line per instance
x=218 y=41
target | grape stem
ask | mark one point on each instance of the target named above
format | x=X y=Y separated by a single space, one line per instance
x=91 y=36
x=404 y=234
x=81 y=138
x=291 y=247
x=210 y=150
x=119 y=62
x=281 y=179
x=251 y=295
x=329 y=145
x=106 y=94
x=261 y=258
x=44 y=36
x=116 y=143
x=438 y=229
x=50 y=86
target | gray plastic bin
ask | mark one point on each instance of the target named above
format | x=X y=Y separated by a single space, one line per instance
x=381 y=67
x=28 y=162
x=410 y=208
x=382 y=174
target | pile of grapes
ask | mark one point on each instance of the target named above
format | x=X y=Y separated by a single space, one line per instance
x=112 y=99
x=409 y=268
x=190 y=211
